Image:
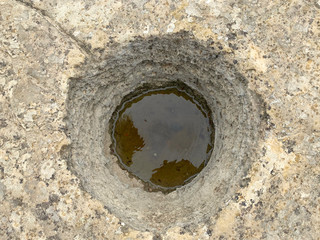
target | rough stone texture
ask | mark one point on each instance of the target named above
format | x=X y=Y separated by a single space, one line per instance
x=239 y=117
x=274 y=45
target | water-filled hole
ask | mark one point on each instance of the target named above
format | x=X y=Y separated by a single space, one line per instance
x=236 y=113
x=163 y=136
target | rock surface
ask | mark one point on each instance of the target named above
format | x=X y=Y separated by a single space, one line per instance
x=43 y=44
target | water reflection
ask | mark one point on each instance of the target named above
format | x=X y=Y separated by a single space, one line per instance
x=163 y=137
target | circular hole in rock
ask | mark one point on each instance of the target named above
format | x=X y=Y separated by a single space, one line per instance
x=237 y=113
x=163 y=136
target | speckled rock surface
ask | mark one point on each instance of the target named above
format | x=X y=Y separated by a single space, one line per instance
x=274 y=45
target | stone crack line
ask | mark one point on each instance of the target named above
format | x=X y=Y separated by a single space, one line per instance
x=81 y=45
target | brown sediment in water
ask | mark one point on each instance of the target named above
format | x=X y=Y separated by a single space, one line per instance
x=128 y=140
x=174 y=173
